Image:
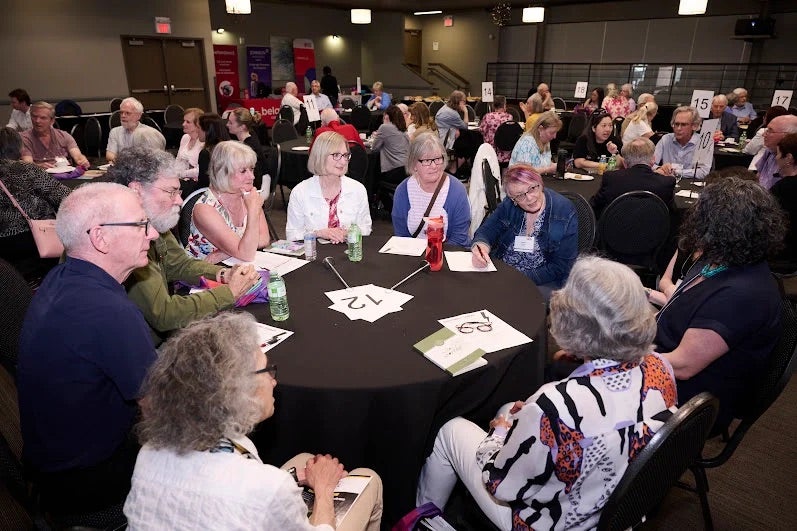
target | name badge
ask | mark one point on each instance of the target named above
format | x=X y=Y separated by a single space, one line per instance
x=525 y=244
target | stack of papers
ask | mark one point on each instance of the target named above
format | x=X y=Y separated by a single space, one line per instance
x=404 y=246
x=368 y=302
x=286 y=247
x=687 y=193
x=269 y=337
x=486 y=329
x=454 y=353
x=462 y=261
x=273 y=262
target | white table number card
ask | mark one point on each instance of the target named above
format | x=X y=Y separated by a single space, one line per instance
x=487 y=91
x=782 y=98
x=581 y=90
x=311 y=107
x=704 y=154
x=701 y=100
x=368 y=302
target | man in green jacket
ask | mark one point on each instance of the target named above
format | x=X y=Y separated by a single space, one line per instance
x=152 y=174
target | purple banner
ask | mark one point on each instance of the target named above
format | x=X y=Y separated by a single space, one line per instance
x=258 y=70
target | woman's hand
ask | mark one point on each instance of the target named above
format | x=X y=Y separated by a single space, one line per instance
x=665 y=169
x=323 y=472
x=500 y=421
x=252 y=200
x=480 y=255
x=335 y=235
x=216 y=256
x=611 y=147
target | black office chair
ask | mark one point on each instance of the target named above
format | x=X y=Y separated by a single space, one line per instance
x=560 y=104
x=632 y=229
x=361 y=119
x=348 y=103
x=116 y=104
x=303 y=123
x=471 y=113
x=186 y=211
x=173 y=116
x=15 y=297
x=147 y=120
x=586 y=221
x=617 y=126
x=273 y=156
x=517 y=114
x=283 y=131
x=286 y=113
x=78 y=133
x=506 y=136
x=68 y=108
x=483 y=108
x=92 y=131
x=578 y=122
x=115 y=119
x=358 y=164
x=492 y=189
x=435 y=106
x=672 y=450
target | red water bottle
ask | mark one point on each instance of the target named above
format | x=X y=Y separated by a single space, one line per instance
x=434 y=242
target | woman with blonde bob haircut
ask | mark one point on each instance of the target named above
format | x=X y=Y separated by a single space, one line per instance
x=209 y=387
x=329 y=201
x=534 y=147
x=555 y=458
x=228 y=219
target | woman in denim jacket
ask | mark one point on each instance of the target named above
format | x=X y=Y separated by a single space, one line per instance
x=534 y=230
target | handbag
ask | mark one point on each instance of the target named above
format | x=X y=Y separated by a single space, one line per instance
x=431 y=204
x=42 y=230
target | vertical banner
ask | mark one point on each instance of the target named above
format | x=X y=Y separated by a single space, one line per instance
x=304 y=63
x=258 y=70
x=225 y=58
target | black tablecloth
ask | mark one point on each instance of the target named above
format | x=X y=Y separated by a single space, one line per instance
x=725 y=159
x=588 y=188
x=361 y=392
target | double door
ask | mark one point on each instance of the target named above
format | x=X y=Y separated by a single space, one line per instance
x=164 y=71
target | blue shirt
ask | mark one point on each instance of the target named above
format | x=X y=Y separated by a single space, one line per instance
x=384 y=104
x=669 y=150
x=745 y=111
x=528 y=152
x=84 y=351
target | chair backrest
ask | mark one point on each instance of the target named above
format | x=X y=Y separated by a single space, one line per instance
x=173 y=115
x=491 y=187
x=14 y=500
x=304 y=121
x=578 y=123
x=657 y=467
x=273 y=156
x=507 y=135
x=93 y=137
x=348 y=103
x=286 y=113
x=434 y=107
x=361 y=118
x=517 y=115
x=282 y=131
x=186 y=211
x=78 y=133
x=471 y=113
x=483 y=108
x=147 y=120
x=586 y=221
x=559 y=103
x=15 y=297
x=633 y=228
x=116 y=104
x=68 y=108
x=115 y=119
x=358 y=164
x=767 y=389
x=617 y=126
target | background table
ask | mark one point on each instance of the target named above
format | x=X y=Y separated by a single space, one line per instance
x=360 y=392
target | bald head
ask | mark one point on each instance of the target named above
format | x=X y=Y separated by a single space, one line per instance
x=779 y=127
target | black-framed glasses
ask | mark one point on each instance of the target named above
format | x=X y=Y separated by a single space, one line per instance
x=144 y=224
x=270 y=369
x=339 y=156
x=481 y=326
x=533 y=189
x=172 y=193
x=429 y=162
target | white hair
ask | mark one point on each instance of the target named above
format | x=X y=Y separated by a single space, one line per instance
x=328 y=115
x=134 y=102
x=84 y=208
x=148 y=137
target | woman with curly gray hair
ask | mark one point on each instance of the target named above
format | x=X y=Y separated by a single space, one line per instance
x=554 y=459
x=197 y=469
x=722 y=321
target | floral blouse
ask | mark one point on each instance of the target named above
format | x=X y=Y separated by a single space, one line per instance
x=200 y=247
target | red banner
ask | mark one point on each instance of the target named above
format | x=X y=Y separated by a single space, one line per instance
x=225 y=58
x=269 y=108
x=304 y=64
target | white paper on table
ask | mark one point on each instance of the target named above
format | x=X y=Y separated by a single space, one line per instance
x=368 y=302
x=266 y=333
x=461 y=261
x=691 y=194
x=273 y=262
x=500 y=337
x=404 y=246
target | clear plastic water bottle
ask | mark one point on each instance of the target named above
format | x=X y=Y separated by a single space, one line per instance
x=309 y=245
x=743 y=140
x=277 y=297
x=308 y=135
x=355 y=240
x=602 y=165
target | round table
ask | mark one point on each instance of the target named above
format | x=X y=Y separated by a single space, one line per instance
x=361 y=392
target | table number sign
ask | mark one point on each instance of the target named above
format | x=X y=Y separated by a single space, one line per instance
x=704 y=154
x=487 y=91
x=782 y=98
x=368 y=302
x=311 y=107
x=581 y=90
x=701 y=100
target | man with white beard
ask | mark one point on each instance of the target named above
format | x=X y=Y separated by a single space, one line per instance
x=153 y=176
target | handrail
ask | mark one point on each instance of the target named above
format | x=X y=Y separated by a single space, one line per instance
x=415 y=70
x=464 y=83
x=441 y=75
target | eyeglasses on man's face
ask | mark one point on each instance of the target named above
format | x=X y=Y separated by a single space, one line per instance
x=270 y=369
x=340 y=156
x=533 y=189
x=172 y=193
x=144 y=224
x=436 y=161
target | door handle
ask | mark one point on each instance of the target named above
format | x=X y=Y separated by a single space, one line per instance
x=172 y=89
x=165 y=89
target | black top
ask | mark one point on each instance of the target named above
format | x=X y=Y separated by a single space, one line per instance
x=581 y=149
x=785 y=191
x=260 y=167
x=329 y=86
x=639 y=177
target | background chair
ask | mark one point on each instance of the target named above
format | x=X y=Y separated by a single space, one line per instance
x=517 y=114
x=186 y=211
x=358 y=164
x=303 y=123
x=559 y=103
x=617 y=126
x=173 y=125
x=78 y=133
x=92 y=132
x=15 y=297
x=361 y=118
x=632 y=229
x=348 y=103
x=283 y=131
x=286 y=113
x=649 y=477
x=116 y=104
x=471 y=113
x=492 y=188
x=506 y=136
x=435 y=106
x=574 y=130
x=586 y=221
x=147 y=120
x=483 y=108
x=68 y=108
x=115 y=119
